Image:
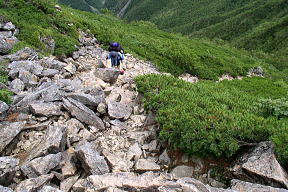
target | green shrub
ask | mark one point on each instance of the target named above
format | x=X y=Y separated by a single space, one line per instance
x=210 y=119
x=6 y=96
x=276 y=107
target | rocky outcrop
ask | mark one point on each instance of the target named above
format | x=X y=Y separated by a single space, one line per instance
x=261 y=166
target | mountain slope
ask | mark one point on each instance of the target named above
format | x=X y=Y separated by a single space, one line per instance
x=254 y=24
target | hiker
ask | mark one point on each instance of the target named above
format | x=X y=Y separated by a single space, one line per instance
x=116 y=54
x=115 y=57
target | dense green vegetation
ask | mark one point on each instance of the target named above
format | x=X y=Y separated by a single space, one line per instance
x=257 y=24
x=214 y=118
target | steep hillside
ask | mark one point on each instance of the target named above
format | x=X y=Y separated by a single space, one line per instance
x=170 y=52
x=250 y=24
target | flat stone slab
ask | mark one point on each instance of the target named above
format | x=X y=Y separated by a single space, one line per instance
x=46 y=109
x=119 y=110
x=83 y=113
x=143 y=165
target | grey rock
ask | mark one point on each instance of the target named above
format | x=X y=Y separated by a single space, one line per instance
x=53 y=93
x=3 y=107
x=23 y=54
x=47 y=188
x=53 y=64
x=113 y=189
x=134 y=152
x=6 y=34
x=117 y=163
x=5 y=189
x=150 y=119
x=29 y=79
x=107 y=74
x=261 y=166
x=17 y=85
x=144 y=182
x=53 y=142
x=8 y=26
x=71 y=68
x=143 y=165
x=83 y=113
x=46 y=109
x=182 y=171
x=30 y=98
x=41 y=165
x=68 y=183
x=8 y=131
x=68 y=162
x=30 y=66
x=245 y=186
x=86 y=99
x=8 y=167
x=92 y=162
x=76 y=55
x=257 y=71
x=7 y=43
x=119 y=110
x=193 y=185
x=34 y=184
x=49 y=72
x=102 y=109
x=164 y=158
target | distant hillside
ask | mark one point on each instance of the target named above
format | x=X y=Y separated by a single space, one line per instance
x=257 y=24
x=95 y=5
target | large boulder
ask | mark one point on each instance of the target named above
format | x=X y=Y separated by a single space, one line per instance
x=41 y=166
x=17 y=85
x=31 y=66
x=34 y=184
x=245 y=186
x=107 y=74
x=91 y=161
x=8 y=167
x=119 y=110
x=261 y=166
x=182 y=171
x=86 y=99
x=54 y=141
x=46 y=109
x=8 y=131
x=83 y=113
x=23 y=54
x=143 y=165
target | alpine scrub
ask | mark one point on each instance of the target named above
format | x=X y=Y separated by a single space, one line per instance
x=212 y=119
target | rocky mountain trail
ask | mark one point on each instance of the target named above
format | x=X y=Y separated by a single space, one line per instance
x=79 y=125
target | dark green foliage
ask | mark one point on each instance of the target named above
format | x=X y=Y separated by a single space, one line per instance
x=253 y=25
x=211 y=119
x=6 y=96
x=276 y=107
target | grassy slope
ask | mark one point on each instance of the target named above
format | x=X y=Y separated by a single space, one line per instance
x=258 y=24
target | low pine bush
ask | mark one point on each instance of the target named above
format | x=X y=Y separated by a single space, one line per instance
x=211 y=119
